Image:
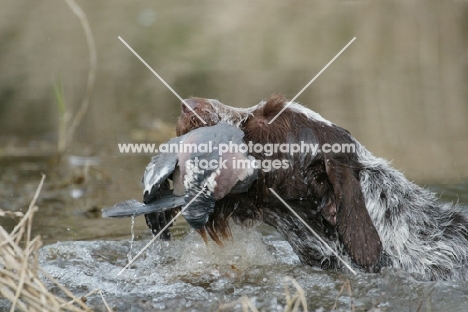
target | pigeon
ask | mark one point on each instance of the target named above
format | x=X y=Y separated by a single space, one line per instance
x=204 y=165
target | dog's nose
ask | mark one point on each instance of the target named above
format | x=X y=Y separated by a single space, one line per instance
x=189 y=105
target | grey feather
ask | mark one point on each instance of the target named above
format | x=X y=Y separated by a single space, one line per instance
x=133 y=207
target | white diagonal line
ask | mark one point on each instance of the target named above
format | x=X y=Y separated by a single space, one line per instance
x=313 y=232
x=160 y=232
x=162 y=80
x=313 y=79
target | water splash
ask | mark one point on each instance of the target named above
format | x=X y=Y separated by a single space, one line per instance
x=186 y=274
x=132 y=231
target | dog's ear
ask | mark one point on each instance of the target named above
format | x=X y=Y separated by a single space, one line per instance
x=346 y=209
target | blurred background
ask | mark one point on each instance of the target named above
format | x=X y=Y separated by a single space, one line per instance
x=400 y=89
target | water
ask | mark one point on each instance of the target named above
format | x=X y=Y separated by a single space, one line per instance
x=187 y=275
x=85 y=252
x=70 y=201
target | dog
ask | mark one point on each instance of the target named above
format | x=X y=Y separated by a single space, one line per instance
x=362 y=207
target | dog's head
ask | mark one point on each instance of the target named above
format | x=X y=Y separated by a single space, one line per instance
x=329 y=182
x=199 y=112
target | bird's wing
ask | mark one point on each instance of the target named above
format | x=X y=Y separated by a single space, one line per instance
x=157 y=172
x=246 y=178
x=204 y=185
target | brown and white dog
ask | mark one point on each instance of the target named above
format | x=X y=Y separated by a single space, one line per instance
x=356 y=202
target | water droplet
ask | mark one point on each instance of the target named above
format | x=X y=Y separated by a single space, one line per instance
x=132 y=231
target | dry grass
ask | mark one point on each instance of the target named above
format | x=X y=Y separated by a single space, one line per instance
x=293 y=303
x=245 y=302
x=296 y=302
x=19 y=269
x=69 y=122
x=347 y=286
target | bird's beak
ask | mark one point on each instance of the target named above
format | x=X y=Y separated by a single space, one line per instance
x=196 y=221
x=198 y=213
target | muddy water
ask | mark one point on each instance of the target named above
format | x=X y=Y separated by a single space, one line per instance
x=73 y=195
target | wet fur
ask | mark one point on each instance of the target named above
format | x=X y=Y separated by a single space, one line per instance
x=362 y=207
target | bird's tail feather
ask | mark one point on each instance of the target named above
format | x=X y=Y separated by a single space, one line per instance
x=133 y=207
